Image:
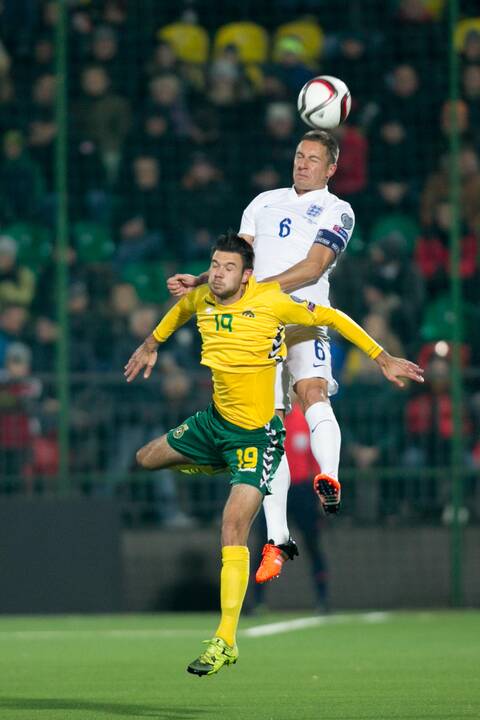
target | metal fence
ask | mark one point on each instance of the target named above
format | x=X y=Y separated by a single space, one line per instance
x=134 y=132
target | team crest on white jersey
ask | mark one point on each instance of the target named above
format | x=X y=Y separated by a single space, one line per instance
x=314 y=211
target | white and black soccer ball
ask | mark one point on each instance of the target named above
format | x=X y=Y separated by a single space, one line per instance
x=324 y=102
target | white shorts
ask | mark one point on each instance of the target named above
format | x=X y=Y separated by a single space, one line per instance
x=308 y=356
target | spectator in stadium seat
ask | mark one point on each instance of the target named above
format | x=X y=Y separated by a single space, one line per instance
x=394 y=287
x=42 y=127
x=429 y=428
x=406 y=103
x=355 y=58
x=471 y=95
x=202 y=207
x=413 y=32
x=284 y=78
x=463 y=123
x=350 y=180
x=143 y=194
x=22 y=186
x=44 y=344
x=13 y=323
x=471 y=48
x=164 y=61
x=432 y=256
x=104 y=52
x=10 y=113
x=18 y=394
x=270 y=164
x=437 y=190
x=17 y=283
x=165 y=95
x=371 y=429
x=102 y=117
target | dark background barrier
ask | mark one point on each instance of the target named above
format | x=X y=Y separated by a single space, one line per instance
x=59 y=556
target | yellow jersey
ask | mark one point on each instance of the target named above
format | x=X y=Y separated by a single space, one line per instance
x=243 y=342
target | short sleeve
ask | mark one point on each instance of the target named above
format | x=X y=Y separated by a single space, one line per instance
x=337 y=224
x=247 y=226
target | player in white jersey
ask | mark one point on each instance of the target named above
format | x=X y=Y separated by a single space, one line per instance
x=297 y=234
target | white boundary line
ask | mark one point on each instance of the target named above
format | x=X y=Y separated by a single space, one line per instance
x=301 y=623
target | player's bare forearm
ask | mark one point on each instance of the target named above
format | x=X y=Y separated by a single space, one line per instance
x=300 y=275
x=145 y=356
x=307 y=271
x=396 y=368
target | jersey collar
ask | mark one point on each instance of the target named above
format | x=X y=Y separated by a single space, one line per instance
x=249 y=289
x=310 y=195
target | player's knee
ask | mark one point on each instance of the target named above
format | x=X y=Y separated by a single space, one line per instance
x=311 y=392
x=234 y=531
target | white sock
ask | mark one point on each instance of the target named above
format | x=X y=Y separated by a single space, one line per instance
x=325 y=437
x=275 y=505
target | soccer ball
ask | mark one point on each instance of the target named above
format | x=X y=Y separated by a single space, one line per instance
x=324 y=102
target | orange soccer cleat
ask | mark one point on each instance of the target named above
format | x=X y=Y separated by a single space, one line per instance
x=273 y=559
x=329 y=491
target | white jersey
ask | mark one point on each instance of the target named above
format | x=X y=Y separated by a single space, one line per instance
x=286 y=225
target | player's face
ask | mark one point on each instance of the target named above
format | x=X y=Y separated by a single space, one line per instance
x=311 y=167
x=226 y=277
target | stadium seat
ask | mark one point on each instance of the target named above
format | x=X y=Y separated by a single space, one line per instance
x=463 y=28
x=357 y=244
x=190 y=42
x=250 y=39
x=437 y=320
x=34 y=244
x=92 y=242
x=148 y=279
x=308 y=31
x=435 y=8
x=398 y=223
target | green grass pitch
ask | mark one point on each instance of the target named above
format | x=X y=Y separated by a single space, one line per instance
x=413 y=666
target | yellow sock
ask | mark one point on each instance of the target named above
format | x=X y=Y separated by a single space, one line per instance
x=233 y=586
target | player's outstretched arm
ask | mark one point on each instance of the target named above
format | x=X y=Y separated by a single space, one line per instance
x=145 y=356
x=395 y=368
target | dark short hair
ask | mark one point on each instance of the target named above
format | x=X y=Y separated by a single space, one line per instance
x=327 y=140
x=231 y=242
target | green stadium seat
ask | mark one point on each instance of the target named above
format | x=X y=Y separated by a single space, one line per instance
x=357 y=244
x=438 y=320
x=34 y=244
x=148 y=279
x=92 y=242
x=396 y=223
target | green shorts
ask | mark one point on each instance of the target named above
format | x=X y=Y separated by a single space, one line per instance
x=215 y=445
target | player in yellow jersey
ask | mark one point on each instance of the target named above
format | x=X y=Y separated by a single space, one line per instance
x=242 y=328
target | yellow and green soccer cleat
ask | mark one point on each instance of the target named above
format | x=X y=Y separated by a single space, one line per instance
x=217 y=654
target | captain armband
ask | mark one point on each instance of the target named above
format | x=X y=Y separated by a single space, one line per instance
x=331 y=240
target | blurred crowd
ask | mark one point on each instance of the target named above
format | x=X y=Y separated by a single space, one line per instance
x=180 y=113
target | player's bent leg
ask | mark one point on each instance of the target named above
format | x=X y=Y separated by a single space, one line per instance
x=325 y=439
x=158 y=454
x=280 y=546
